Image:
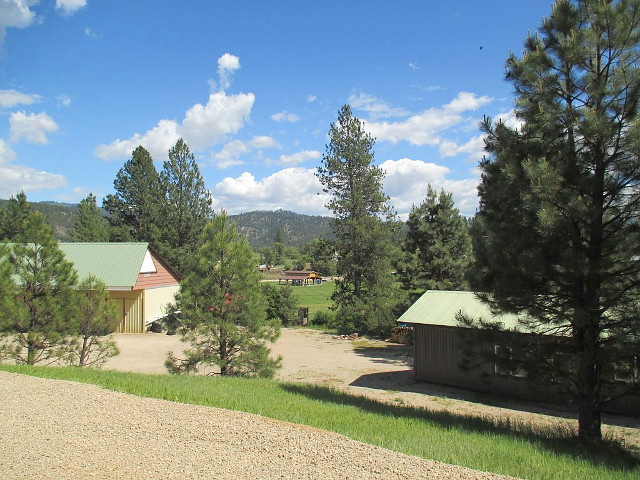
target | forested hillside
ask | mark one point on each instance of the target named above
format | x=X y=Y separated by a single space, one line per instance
x=260 y=227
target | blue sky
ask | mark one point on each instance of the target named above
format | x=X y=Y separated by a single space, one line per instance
x=252 y=87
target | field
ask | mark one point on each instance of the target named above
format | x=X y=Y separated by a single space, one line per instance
x=316 y=297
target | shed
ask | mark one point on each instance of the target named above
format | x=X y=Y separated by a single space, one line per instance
x=300 y=277
x=137 y=279
x=439 y=343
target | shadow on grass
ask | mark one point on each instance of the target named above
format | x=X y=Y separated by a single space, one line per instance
x=559 y=440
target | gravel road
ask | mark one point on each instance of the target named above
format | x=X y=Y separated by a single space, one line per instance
x=51 y=429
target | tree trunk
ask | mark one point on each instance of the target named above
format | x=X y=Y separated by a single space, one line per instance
x=589 y=404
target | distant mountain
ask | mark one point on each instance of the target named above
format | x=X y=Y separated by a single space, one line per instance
x=61 y=216
x=261 y=227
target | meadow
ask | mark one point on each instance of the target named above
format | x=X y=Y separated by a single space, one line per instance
x=316 y=297
x=504 y=448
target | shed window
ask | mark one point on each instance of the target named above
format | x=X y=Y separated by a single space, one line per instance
x=504 y=362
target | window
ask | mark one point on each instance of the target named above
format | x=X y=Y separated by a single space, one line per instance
x=627 y=372
x=504 y=362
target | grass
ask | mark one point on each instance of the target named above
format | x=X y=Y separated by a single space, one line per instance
x=316 y=297
x=478 y=443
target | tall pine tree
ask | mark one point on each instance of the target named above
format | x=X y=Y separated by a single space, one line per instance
x=12 y=218
x=134 y=209
x=90 y=225
x=436 y=252
x=186 y=209
x=366 y=294
x=223 y=309
x=557 y=234
x=44 y=307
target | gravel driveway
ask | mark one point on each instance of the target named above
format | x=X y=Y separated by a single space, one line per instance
x=53 y=429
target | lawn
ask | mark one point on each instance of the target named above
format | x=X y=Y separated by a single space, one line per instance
x=316 y=297
x=444 y=436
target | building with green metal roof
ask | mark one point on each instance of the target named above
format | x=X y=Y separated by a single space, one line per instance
x=137 y=279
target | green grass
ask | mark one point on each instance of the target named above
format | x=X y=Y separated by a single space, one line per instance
x=476 y=443
x=316 y=297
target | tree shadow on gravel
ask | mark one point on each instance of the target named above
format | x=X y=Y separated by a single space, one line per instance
x=561 y=439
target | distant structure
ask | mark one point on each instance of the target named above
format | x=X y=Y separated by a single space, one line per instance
x=300 y=277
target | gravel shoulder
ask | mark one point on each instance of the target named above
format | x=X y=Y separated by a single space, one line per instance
x=54 y=429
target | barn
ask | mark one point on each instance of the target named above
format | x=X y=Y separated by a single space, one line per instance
x=137 y=279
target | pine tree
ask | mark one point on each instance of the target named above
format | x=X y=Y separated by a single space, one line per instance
x=96 y=318
x=437 y=249
x=223 y=310
x=135 y=207
x=44 y=309
x=91 y=225
x=366 y=294
x=187 y=208
x=12 y=219
x=557 y=236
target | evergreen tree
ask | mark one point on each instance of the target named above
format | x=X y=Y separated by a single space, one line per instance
x=187 y=208
x=557 y=236
x=90 y=225
x=134 y=209
x=223 y=310
x=436 y=252
x=282 y=303
x=96 y=318
x=366 y=294
x=44 y=309
x=12 y=219
x=321 y=254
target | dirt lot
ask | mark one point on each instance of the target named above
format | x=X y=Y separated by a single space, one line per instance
x=371 y=368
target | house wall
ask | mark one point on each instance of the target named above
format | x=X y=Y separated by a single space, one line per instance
x=155 y=300
x=131 y=310
x=161 y=278
x=438 y=354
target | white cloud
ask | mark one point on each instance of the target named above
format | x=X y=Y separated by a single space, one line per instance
x=15 y=13
x=406 y=183
x=33 y=128
x=202 y=127
x=88 y=32
x=69 y=7
x=300 y=157
x=311 y=98
x=414 y=66
x=20 y=177
x=11 y=98
x=427 y=128
x=375 y=107
x=63 y=100
x=227 y=64
x=290 y=189
x=474 y=148
x=263 y=141
x=285 y=117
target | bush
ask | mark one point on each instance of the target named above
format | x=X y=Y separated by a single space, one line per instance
x=323 y=318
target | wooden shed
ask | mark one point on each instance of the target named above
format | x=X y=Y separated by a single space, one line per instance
x=137 y=279
x=440 y=342
x=299 y=277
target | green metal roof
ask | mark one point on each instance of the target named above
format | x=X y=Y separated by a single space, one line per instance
x=437 y=307
x=116 y=264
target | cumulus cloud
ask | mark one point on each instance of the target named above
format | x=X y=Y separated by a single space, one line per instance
x=374 y=107
x=69 y=7
x=230 y=154
x=300 y=157
x=33 y=128
x=406 y=183
x=11 y=98
x=227 y=64
x=202 y=127
x=290 y=189
x=473 y=147
x=414 y=66
x=20 y=177
x=311 y=98
x=285 y=117
x=427 y=128
x=17 y=14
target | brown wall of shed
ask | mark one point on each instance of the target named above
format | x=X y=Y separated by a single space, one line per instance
x=161 y=278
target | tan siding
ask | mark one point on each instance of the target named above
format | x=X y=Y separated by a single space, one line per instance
x=131 y=309
x=161 y=278
x=156 y=299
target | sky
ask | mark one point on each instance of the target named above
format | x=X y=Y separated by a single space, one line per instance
x=252 y=88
